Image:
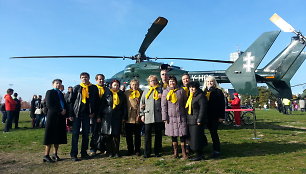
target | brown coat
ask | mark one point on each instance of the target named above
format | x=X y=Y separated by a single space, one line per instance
x=175 y=113
x=133 y=107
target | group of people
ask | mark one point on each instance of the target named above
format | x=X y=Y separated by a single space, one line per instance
x=38 y=111
x=10 y=110
x=180 y=111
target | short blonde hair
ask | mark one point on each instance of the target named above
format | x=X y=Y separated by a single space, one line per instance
x=134 y=81
x=211 y=78
x=152 y=77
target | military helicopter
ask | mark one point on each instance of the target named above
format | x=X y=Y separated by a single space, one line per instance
x=242 y=74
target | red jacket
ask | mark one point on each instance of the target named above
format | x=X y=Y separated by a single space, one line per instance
x=10 y=104
x=236 y=103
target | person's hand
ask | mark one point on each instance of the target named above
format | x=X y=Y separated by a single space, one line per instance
x=71 y=118
x=142 y=118
x=63 y=112
x=198 y=124
x=221 y=120
x=166 y=121
x=98 y=120
x=91 y=115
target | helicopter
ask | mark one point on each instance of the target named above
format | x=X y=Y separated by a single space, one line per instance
x=242 y=74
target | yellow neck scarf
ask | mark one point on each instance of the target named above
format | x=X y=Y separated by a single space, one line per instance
x=186 y=90
x=165 y=85
x=116 y=100
x=85 y=92
x=189 y=103
x=208 y=95
x=171 y=96
x=101 y=90
x=134 y=94
x=155 y=93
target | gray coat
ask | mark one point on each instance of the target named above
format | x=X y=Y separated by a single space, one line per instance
x=175 y=113
x=150 y=108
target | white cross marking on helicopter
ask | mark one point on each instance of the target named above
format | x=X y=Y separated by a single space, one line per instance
x=248 y=62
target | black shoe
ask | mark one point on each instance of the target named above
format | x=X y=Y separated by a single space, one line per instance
x=158 y=155
x=146 y=156
x=117 y=155
x=47 y=158
x=54 y=157
x=215 y=155
x=85 y=156
x=137 y=154
x=197 y=158
x=74 y=158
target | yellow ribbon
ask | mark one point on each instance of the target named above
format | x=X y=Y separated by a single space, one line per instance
x=101 y=90
x=186 y=90
x=189 y=103
x=116 y=100
x=155 y=93
x=134 y=94
x=171 y=96
x=208 y=95
x=85 y=92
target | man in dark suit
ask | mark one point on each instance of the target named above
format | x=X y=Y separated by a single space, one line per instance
x=83 y=107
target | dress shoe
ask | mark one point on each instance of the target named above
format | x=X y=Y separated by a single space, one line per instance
x=158 y=155
x=85 y=156
x=146 y=156
x=54 y=157
x=47 y=158
x=215 y=155
x=74 y=158
x=117 y=155
x=197 y=158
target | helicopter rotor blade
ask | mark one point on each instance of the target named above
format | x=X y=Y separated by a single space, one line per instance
x=158 y=25
x=54 y=57
x=282 y=24
x=195 y=59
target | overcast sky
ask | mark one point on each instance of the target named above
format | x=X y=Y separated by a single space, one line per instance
x=199 y=28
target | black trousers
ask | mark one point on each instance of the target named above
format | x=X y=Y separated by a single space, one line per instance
x=95 y=135
x=213 y=130
x=16 y=118
x=130 y=131
x=158 y=128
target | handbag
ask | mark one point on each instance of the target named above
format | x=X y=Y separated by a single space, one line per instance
x=38 y=111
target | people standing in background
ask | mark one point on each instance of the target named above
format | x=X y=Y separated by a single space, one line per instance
x=38 y=111
x=4 y=115
x=164 y=78
x=10 y=106
x=185 y=81
x=133 y=123
x=55 y=131
x=67 y=96
x=17 y=110
x=236 y=105
x=32 y=110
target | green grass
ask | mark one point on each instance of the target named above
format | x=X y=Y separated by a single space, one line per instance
x=280 y=149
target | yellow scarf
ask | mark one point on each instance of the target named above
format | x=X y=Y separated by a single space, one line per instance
x=85 y=92
x=186 y=90
x=171 y=96
x=101 y=90
x=165 y=85
x=208 y=95
x=155 y=93
x=134 y=94
x=189 y=103
x=116 y=100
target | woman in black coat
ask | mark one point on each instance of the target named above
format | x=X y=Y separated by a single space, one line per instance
x=215 y=111
x=113 y=112
x=55 y=131
x=196 y=119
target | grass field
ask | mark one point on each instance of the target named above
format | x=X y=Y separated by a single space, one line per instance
x=280 y=149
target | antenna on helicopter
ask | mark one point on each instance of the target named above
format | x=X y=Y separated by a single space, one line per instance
x=286 y=27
